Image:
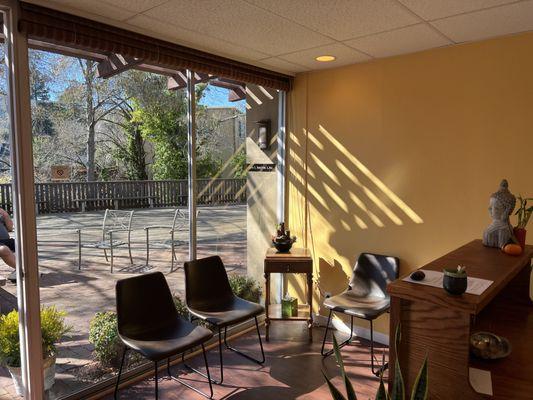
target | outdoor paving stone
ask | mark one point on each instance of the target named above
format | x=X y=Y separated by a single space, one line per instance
x=221 y=230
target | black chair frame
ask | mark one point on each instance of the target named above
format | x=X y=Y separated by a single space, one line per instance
x=376 y=371
x=174 y=378
x=226 y=344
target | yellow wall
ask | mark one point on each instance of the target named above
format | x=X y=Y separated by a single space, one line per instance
x=399 y=156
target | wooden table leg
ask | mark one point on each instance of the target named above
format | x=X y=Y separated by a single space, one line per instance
x=310 y=302
x=267 y=303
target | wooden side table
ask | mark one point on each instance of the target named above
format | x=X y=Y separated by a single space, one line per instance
x=298 y=261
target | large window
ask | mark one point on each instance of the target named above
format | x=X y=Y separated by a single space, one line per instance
x=111 y=168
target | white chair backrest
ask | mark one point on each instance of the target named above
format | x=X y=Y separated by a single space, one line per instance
x=117 y=219
x=181 y=219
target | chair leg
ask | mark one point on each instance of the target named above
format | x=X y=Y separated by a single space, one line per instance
x=385 y=366
x=79 y=250
x=172 y=251
x=246 y=355
x=111 y=249
x=219 y=382
x=105 y=254
x=129 y=250
x=120 y=373
x=208 y=376
x=156 y=381
x=341 y=345
x=111 y=254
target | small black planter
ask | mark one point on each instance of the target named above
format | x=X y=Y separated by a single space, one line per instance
x=283 y=246
x=453 y=282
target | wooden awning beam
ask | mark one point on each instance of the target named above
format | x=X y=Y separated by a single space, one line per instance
x=179 y=80
x=115 y=64
x=237 y=89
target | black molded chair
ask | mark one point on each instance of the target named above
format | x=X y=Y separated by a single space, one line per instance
x=149 y=324
x=209 y=297
x=366 y=296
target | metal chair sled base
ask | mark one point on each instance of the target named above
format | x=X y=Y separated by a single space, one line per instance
x=177 y=379
x=220 y=340
x=377 y=371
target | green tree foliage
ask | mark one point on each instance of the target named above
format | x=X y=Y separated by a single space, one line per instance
x=239 y=164
x=162 y=119
x=41 y=76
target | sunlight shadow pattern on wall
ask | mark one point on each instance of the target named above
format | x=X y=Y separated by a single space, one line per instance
x=373 y=178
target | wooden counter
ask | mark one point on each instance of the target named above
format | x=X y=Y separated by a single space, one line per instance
x=439 y=325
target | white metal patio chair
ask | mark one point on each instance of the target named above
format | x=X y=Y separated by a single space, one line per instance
x=115 y=222
x=179 y=222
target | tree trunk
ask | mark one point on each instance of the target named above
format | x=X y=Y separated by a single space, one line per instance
x=139 y=155
x=90 y=113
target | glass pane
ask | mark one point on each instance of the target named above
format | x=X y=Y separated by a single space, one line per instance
x=10 y=355
x=237 y=181
x=110 y=161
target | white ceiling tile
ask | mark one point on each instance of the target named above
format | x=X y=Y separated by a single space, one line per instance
x=404 y=40
x=135 y=5
x=435 y=9
x=150 y=26
x=95 y=7
x=282 y=66
x=342 y=19
x=344 y=54
x=240 y=23
x=504 y=20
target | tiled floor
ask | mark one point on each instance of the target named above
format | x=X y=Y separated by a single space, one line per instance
x=221 y=230
x=293 y=370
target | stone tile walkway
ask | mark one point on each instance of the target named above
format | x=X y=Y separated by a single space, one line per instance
x=221 y=230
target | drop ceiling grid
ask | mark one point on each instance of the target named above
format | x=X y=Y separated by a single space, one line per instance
x=287 y=35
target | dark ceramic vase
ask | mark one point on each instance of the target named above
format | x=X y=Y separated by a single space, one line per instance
x=520 y=234
x=283 y=246
x=453 y=282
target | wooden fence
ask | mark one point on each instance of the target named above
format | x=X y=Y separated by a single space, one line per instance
x=58 y=197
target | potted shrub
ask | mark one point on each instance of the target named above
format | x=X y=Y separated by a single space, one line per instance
x=245 y=287
x=53 y=328
x=523 y=214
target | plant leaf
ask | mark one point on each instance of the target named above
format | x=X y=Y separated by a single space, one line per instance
x=420 y=388
x=398 y=387
x=334 y=391
x=382 y=393
x=350 y=392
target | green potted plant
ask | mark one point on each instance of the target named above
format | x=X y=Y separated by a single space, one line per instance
x=53 y=328
x=523 y=214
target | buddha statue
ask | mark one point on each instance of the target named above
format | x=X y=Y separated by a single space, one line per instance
x=501 y=205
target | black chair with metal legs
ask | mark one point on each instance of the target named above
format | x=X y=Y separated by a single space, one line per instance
x=149 y=324
x=365 y=298
x=209 y=297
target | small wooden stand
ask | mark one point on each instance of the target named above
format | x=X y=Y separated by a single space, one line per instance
x=298 y=261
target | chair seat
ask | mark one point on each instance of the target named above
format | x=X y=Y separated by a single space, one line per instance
x=162 y=343
x=351 y=303
x=167 y=244
x=103 y=244
x=232 y=312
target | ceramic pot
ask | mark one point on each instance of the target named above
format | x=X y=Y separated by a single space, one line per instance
x=49 y=366
x=283 y=246
x=531 y=284
x=453 y=282
x=520 y=234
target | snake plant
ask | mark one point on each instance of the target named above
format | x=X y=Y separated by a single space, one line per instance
x=524 y=212
x=420 y=387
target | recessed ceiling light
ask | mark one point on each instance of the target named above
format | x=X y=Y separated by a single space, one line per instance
x=326 y=58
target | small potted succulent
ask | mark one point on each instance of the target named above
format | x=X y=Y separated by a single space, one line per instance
x=455 y=281
x=523 y=214
x=283 y=241
x=53 y=328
